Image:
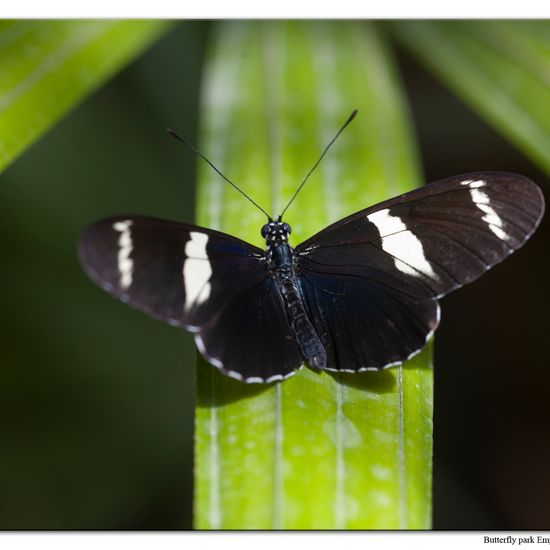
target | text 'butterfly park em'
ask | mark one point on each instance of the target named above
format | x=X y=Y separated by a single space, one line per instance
x=360 y=295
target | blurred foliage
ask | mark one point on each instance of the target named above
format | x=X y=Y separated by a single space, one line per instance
x=501 y=68
x=317 y=451
x=96 y=406
x=96 y=400
x=49 y=66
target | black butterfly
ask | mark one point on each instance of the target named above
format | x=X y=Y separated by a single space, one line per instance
x=360 y=295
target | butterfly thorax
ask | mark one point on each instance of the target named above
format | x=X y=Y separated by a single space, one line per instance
x=278 y=252
x=280 y=257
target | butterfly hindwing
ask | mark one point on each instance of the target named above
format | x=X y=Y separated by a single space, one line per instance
x=366 y=326
x=250 y=338
x=213 y=284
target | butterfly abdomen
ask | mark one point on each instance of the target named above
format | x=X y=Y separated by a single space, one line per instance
x=309 y=343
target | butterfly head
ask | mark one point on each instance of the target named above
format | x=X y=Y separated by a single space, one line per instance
x=276 y=232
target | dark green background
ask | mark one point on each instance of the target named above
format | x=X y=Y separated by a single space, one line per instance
x=96 y=400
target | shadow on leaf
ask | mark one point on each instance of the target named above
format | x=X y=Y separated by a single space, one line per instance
x=215 y=389
x=382 y=381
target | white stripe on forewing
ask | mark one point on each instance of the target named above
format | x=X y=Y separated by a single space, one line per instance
x=196 y=270
x=481 y=200
x=478 y=183
x=403 y=245
x=472 y=184
x=125 y=246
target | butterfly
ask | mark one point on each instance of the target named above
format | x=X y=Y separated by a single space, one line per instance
x=360 y=295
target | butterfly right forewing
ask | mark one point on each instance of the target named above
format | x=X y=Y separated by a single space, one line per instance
x=213 y=284
x=176 y=272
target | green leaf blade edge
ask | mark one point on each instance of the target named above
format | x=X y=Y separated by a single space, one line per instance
x=49 y=66
x=499 y=68
x=316 y=451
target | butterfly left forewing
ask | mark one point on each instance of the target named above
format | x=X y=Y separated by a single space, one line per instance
x=434 y=239
x=371 y=281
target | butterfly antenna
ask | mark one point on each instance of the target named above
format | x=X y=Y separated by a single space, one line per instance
x=350 y=118
x=175 y=135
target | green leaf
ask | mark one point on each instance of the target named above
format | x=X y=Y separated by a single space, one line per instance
x=49 y=66
x=500 y=68
x=316 y=451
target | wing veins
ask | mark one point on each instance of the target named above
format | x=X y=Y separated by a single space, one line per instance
x=466 y=189
x=373 y=281
x=353 y=217
x=410 y=313
x=308 y=251
x=225 y=306
x=396 y=330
